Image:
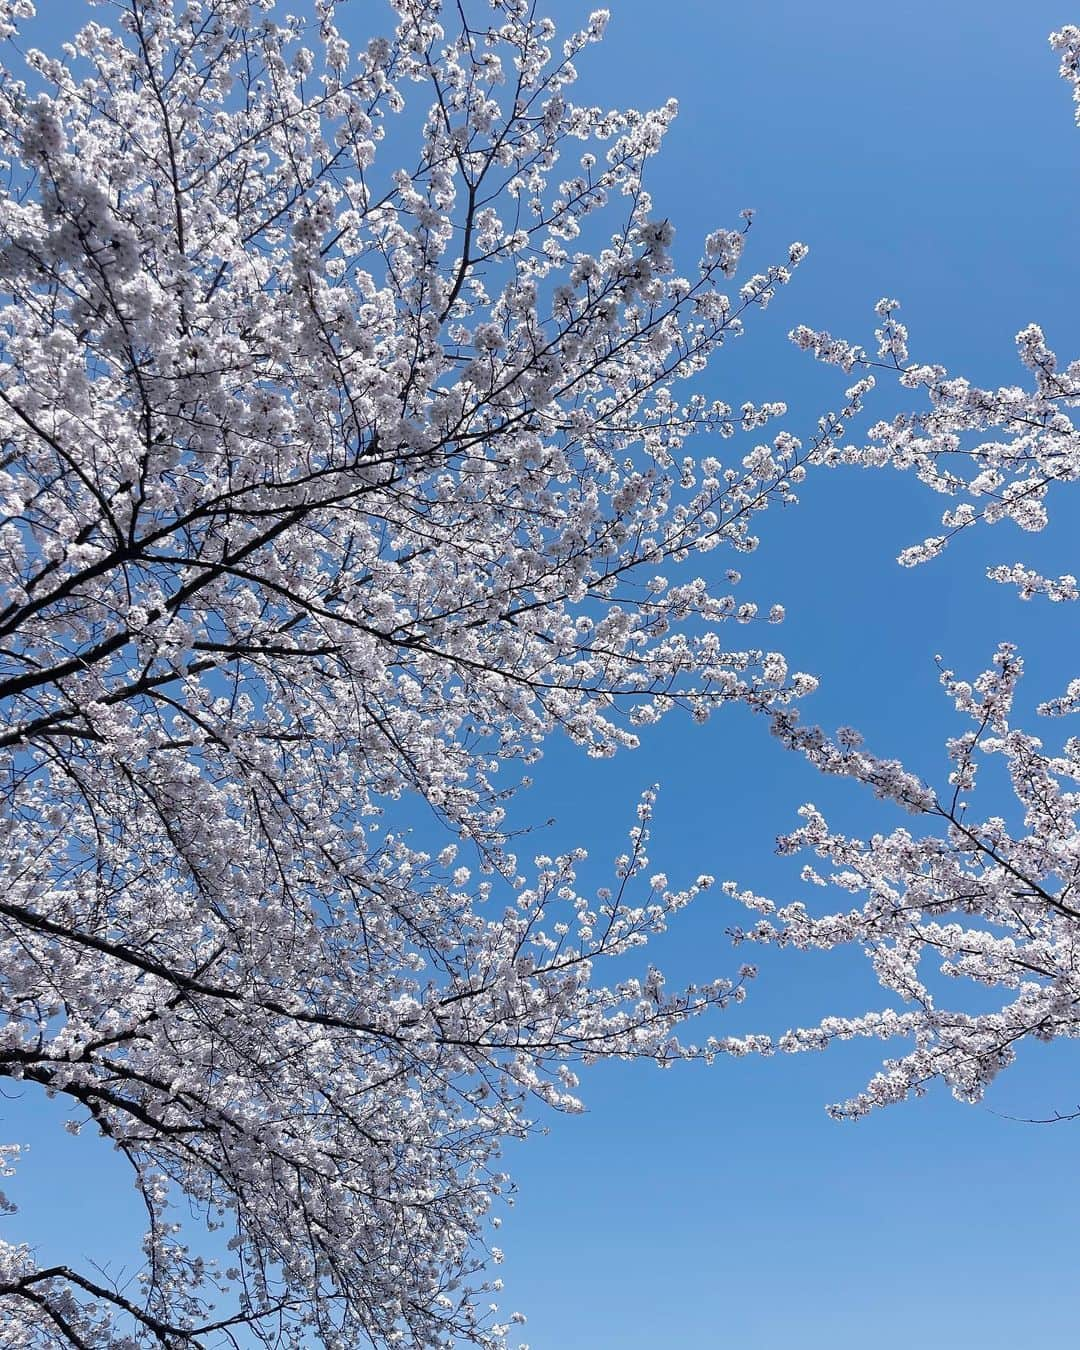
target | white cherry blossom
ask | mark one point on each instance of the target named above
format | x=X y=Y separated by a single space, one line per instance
x=344 y=462
x=968 y=889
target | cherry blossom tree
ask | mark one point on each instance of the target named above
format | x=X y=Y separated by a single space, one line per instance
x=986 y=894
x=342 y=465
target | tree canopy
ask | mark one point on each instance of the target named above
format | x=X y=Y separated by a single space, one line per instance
x=349 y=451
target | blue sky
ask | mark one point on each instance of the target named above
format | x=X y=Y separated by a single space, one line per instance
x=925 y=151
x=922 y=150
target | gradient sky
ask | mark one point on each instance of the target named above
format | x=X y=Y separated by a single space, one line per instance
x=922 y=150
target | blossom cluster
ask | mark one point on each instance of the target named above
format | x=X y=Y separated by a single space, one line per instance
x=338 y=474
x=960 y=894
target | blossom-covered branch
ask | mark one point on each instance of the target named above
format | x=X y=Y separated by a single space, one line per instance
x=336 y=472
x=988 y=895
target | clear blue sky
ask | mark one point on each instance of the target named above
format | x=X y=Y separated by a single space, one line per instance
x=927 y=151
